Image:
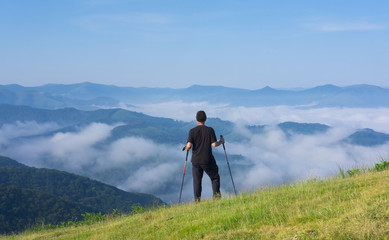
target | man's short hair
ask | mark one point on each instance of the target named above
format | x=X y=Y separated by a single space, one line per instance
x=201 y=116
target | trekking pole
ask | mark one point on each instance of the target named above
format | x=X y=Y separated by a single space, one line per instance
x=233 y=184
x=183 y=176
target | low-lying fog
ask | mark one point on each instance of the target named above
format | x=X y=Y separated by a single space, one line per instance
x=143 y=165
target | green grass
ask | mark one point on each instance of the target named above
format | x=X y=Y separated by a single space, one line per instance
x=352 y=207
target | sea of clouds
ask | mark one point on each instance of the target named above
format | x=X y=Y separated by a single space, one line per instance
x=143 y=165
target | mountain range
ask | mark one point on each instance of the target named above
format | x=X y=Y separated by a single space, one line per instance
x=89 y=96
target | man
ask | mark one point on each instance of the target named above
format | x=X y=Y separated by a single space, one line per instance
x=201 y=138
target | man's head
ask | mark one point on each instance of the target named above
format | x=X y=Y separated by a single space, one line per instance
x=201 y=116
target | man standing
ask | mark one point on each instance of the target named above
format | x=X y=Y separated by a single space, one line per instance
x=201 y=138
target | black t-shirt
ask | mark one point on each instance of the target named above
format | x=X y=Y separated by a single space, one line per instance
x=202 y=138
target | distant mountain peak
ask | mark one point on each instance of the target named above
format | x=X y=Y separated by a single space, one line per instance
x=364 y=87
x=367 y=137
x=267 y=89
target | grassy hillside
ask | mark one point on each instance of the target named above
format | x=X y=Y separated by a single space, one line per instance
x=354 y=207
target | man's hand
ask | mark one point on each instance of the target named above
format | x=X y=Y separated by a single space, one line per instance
x=218 y=143
x=221 y=139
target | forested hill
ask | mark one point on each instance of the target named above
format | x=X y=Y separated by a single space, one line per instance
x=32 y=194
x=21 y=208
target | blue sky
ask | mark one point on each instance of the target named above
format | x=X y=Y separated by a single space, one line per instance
x=170 y=43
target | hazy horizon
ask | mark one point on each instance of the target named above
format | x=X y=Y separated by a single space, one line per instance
x=295 y=88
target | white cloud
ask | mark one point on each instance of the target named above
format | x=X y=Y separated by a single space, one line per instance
x=24 y=129
x=375 y=118
x=69 y=151
x=151 y=178
x=275 y=158
x=128 y=150
x=65 y=143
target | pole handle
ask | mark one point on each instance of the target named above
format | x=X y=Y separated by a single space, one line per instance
x=223 y=143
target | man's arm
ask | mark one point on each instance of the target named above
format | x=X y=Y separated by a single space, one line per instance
x=188 y=146
x=218 y=143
